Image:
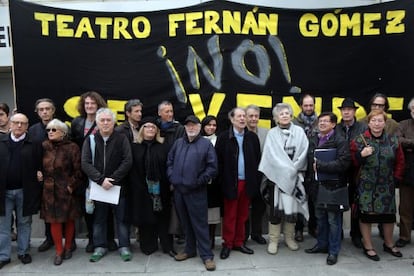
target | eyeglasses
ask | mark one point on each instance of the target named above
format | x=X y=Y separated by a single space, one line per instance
x=19 y=123
x=378 y=105
x=51 y=130
x=149 y=126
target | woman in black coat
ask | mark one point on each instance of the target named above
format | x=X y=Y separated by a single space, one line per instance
x=214 y=197
x=149 y=194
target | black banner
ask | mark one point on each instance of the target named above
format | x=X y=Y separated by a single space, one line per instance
x=211 y=57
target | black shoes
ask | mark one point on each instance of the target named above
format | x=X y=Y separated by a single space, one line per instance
x=299 y=236
x=316 y=249
x=67 y=254
x=25 y=259
x=45 y=246
x=243 y=249
x=3 y=263
x=332 y=259
x=402 y=243
x=371 y=257
x=58 y=260
x=356 y=241
x=258 y=238
x=225 y=253
x=392 y=250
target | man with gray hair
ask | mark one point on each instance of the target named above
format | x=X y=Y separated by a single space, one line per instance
x=238 y=154
x=45 y=110
x=171 y=130
x=20 y=161
x=191 y=166
x=111 y=162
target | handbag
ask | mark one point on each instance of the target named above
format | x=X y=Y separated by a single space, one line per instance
x=336 y=198
x=89 y=204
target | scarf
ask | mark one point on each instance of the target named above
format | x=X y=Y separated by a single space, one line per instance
x=166 y=125
x=308 y=122
x=152 y=171
x=284 y=160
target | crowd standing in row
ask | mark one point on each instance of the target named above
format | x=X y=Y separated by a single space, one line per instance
x=184 y=180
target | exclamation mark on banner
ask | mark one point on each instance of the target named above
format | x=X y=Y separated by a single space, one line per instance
x=278 y=48
x=178 y=85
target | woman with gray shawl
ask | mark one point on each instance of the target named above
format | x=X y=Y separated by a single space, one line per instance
x=283 y=164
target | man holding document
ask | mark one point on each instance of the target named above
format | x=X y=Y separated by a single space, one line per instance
x=328 y=160
x=106 y=160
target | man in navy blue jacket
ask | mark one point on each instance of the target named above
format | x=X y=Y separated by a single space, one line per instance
x=191 y=166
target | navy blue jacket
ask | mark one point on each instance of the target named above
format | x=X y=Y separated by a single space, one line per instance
x=191 y=165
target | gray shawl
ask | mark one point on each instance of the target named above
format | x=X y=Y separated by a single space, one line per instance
x=279 y=168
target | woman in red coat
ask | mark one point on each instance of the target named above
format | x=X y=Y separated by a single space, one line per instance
x=61 y=176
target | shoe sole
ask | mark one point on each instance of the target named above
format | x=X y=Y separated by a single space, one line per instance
x=183 y=258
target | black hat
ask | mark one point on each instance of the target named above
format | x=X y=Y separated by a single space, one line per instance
x=148 y=119
x=192 y=119
x=348 y=102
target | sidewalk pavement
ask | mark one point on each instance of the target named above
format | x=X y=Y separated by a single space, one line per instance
x=351 y=261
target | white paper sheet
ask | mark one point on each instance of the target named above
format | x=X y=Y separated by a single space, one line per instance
x=98 y=193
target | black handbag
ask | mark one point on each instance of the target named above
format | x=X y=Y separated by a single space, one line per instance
x=335 y=199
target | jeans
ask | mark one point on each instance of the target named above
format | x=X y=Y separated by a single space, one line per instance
x=100 y=223
x=329 y=230
x=14 y=201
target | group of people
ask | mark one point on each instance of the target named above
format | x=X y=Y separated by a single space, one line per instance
x=186 y=179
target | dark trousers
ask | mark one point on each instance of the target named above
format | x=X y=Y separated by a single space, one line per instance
x=312 y=223
x=100 y=226
x=150 y=233
x=355 y=232
x=192 y=211
x=89 y=218
x=406 y=211
x=329 y=230
x=48 y=232
x=254 y=224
